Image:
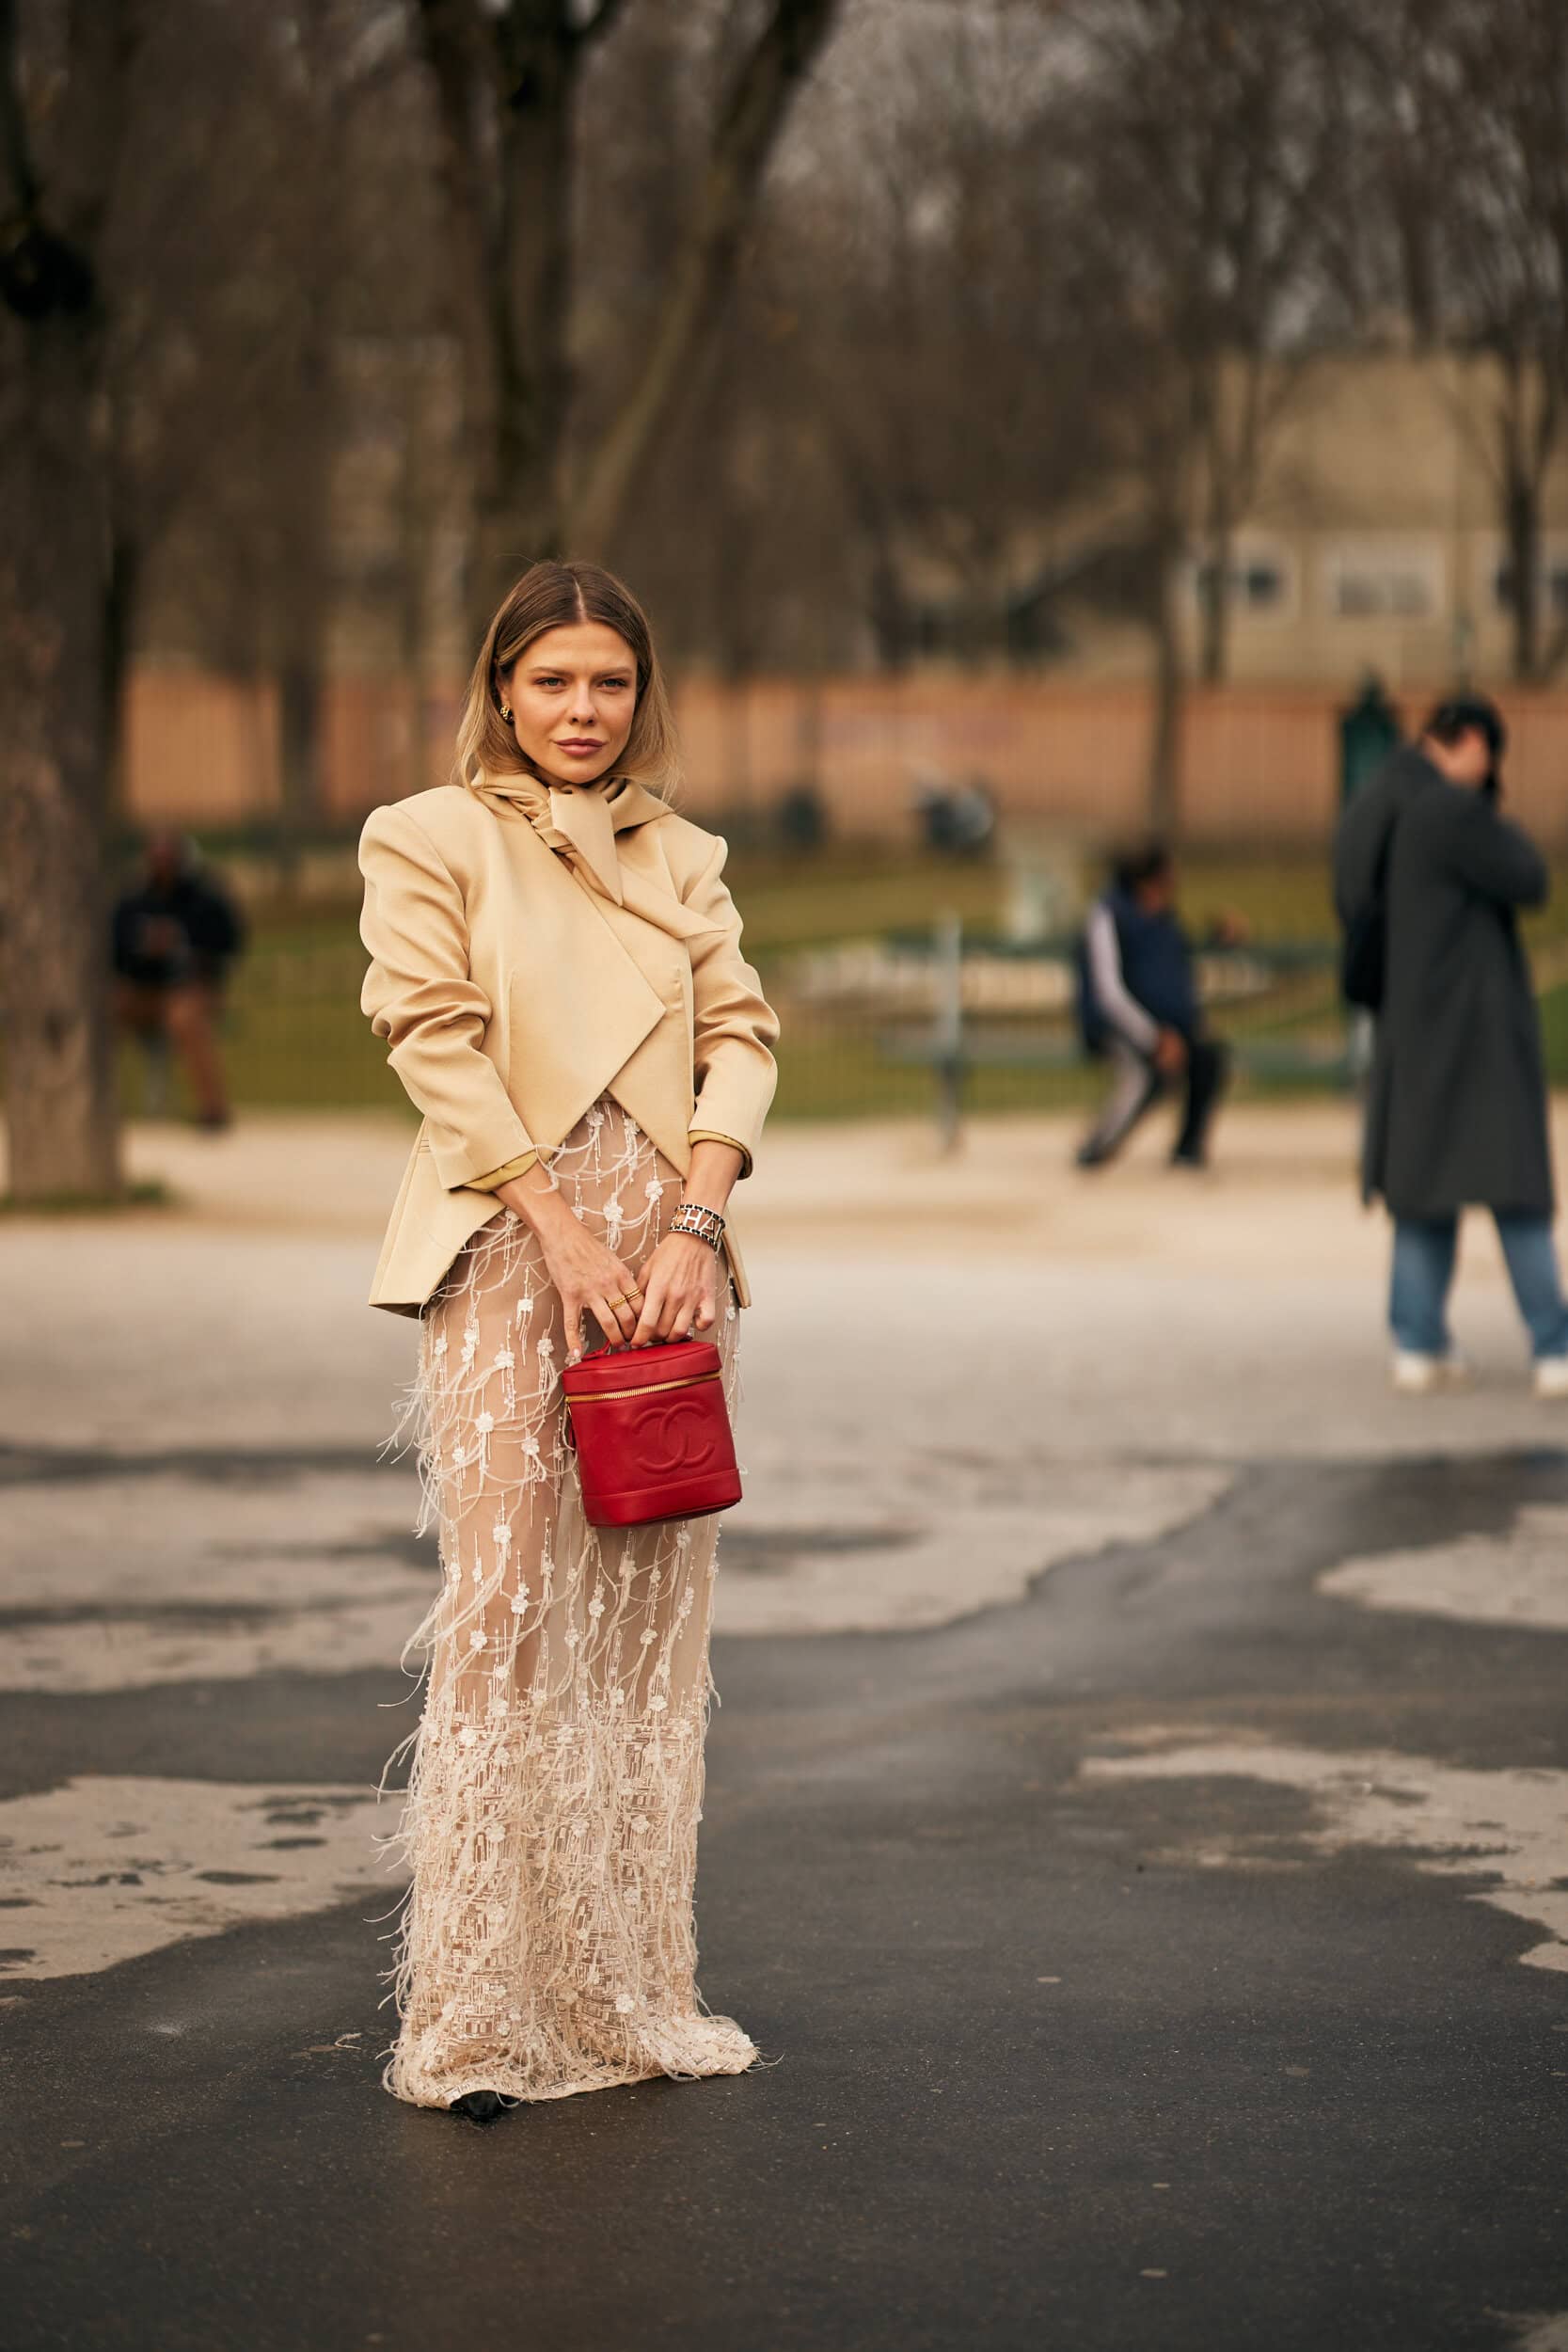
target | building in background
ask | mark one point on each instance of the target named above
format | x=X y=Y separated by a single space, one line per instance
x=1373 y=541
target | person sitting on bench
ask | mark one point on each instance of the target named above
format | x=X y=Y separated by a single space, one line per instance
x=1138 y=1009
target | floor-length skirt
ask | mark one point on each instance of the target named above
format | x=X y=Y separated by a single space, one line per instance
x=556 y=1776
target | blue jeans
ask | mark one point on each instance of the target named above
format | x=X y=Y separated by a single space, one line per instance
x=1424 y=1252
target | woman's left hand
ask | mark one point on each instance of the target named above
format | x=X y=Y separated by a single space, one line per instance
x=680 y=1290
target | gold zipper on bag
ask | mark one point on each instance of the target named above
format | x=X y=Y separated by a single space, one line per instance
x=651 y=1388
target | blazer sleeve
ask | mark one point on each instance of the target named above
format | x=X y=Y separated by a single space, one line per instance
x=420 y=996
x=733 y=1026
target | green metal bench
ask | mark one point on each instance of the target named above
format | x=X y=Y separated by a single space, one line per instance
x=957 y=1043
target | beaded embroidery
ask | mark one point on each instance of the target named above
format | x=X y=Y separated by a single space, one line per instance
x=555 y=1783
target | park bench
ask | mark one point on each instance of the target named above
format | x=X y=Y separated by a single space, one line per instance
x=954 y=1042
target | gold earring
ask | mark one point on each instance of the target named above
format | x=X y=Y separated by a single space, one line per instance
x=506 y=712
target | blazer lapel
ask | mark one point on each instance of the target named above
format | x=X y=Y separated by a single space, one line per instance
x=567 y=956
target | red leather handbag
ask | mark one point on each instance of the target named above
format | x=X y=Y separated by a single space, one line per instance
x=652 y=1434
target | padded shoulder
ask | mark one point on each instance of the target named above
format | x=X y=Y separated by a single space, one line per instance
x=439 y=809
x=689 y=847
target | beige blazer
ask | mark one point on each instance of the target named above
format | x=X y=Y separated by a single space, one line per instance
x=513 y=994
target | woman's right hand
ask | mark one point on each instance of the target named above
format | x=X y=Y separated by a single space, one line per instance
x=588 y=1278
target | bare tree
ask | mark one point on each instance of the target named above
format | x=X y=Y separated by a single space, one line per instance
x=1506 y=211
x=507 y=79
x=1456 y=219
x=60 y=128
x=1204 y=132
x=325 y=287
x=183 y=250
x=257 y=388
x=745 y=130
x=913 y=359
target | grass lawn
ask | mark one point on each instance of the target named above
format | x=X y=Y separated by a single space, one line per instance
x=1554 y=1031
x=296 y=1038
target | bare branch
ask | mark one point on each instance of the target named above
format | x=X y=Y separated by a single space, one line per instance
x=744 y=136
x=103 y=36
x=459 y=51
x=18 y=176
x=600 y=22
x=47 y=237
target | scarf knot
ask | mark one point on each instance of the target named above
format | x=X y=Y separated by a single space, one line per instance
x=581 y=824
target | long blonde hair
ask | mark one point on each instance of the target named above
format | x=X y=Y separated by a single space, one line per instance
x=556 y=596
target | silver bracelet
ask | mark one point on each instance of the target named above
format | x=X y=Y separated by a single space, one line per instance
x=702 y=1224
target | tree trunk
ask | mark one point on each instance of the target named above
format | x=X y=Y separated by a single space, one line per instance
x=1229 y=420
x=300 y=700
x=893 y=625
x=119 y=604
x=302 y=638
x=505 y=81
x=1165 y=758
x=1213 y=660
x=508 y=210
x=1218 y=599
x=416 y=511
x=521 y=417
x=58 y=755
x=1414 y=231
x=64 y=616
x=1522 y=524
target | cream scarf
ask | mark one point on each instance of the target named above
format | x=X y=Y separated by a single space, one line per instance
x=581 y=824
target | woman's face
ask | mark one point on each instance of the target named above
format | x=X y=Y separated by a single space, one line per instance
x=573 y=694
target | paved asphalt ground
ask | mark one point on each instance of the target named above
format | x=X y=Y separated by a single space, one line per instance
x=1136 y=1824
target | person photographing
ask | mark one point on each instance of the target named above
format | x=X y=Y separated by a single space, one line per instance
x=1430 y=877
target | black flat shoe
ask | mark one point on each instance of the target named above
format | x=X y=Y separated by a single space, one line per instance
x=481 y=2106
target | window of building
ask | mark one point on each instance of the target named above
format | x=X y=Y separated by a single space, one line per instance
x=1554 y=587
x=1263 y=582
x=1385 y=579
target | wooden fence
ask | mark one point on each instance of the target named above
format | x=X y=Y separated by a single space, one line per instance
x=1259 y=764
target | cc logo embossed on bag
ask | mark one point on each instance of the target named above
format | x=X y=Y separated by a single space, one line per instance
x=675 y=1435
x=652 y=1434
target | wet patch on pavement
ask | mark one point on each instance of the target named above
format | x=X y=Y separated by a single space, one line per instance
x=1519 y=1578
x=108 y=1868
x=126 y=1575
x=1503 y=1833
x=924 y=1537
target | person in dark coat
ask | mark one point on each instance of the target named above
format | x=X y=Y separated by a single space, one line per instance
x=174 y=936
x=1138 y=1009
x=1456 y=1111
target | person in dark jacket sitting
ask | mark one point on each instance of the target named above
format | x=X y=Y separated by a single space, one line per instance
x=175 y=935
x=1456 y=1111
x=1138 y=1007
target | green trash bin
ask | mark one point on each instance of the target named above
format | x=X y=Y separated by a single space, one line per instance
x=1369 y=730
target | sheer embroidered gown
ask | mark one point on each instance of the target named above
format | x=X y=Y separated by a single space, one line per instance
x=556 y=1781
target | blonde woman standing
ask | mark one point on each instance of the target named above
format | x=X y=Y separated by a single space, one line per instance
x=555 y=965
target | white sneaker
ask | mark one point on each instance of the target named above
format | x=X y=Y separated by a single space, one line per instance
x=1423 y=1375
x=1551 y=1378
